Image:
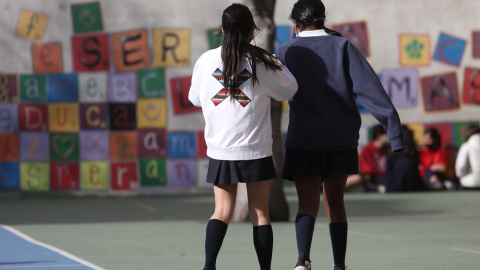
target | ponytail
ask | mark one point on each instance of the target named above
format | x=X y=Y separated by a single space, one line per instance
x=311 y=13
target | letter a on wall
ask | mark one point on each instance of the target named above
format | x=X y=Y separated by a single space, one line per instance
x=440 y=92
x=171 y=47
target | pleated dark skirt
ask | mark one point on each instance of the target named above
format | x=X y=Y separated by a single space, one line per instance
x=229 y=172
x=319 y=163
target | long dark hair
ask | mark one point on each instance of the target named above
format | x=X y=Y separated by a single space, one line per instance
x=237 y=24
x=436 y=138
x=409 y=142
x=311 y=13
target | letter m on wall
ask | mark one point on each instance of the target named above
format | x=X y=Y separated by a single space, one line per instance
x=401 y=86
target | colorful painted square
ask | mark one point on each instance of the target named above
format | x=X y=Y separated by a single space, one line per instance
x=180 y=88
x=130 y=50
x=64 y=147
x=93 y=116
x=94 y=175
x=63 y=117
x=181 y=173
x=91 y=52
x=181 y=145
x=153 y=172
x=33 y=88
x=171 y=47
x=152 y=113
x=202 y=170
x=47 y=58
x=8 y=88
x=94 y=145
x=34 y=146
x=10 y=147
x=122 y=116
x=86 y=17
x=471 y=86
x=9 y=176
x=449 y=50
x=215 y=37
x=121 y=87
x=151 y=83
x=8 y=118
x=283 y=34
x=123 y=176
x=64 y=176
x=357 y=34
x=92 y=87
x=201 y=145
x=418 y=131
x=62 y=88
x=459 y=131
x=34 y=176
x=440 y=92
x=31 y=25
x=476 y=44
x=446 y=132
x=123 y=145
x=414 y=50
x=152 y=143
x=33 y=117
x=401 y=86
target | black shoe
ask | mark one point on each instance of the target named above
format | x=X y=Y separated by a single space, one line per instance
x=339 y=267
x=305 y=265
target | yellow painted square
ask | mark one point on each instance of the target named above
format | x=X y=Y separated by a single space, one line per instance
x=31 y=25
x=415 y=50
x=152 y=113
x=418 y=131
x=171 y=47
x=63 y=117
x=94 y=175
x=34 y=176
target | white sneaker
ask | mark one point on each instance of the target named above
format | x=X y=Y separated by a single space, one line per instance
x=305 y=266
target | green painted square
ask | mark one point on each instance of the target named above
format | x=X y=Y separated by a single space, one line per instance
x=64 y=146
x=459 y=132
x=153 y=172
x=214 y=41
x=151 y=83
x=87 y=17
x=33 y=88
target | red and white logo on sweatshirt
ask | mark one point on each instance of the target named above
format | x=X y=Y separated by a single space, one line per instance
x=233 y=88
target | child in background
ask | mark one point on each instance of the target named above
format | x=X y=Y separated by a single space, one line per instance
x=467 y=165
x=433 y=160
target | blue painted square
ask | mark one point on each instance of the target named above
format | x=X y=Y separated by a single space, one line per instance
x=8 y=118
x=449 y=50
x=181 y=145
x=62 y=88
x=361 y=109
x=9 y=176
x=283 y=34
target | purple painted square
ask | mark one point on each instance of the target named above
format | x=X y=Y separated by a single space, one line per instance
x=401 y=86
x=181 y=173
x=8 y=118
x=152 y=143
x=93 y=116
x=34 y=146
x=476 y=44
x=440 y=92
x=8 y=88
x=94 y=145
x=122 y=87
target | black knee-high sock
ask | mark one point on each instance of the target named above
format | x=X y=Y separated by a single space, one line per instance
x=216 y=230
x=263 y=241
x=338 y=235
x=304 y=226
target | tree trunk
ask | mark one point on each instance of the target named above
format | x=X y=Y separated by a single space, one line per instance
x=263 y=15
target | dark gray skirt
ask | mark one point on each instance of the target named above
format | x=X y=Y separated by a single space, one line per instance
x=229 y=172
x=319 y=163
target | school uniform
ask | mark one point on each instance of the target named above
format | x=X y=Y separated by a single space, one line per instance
x=324 y=125
x=238 y=130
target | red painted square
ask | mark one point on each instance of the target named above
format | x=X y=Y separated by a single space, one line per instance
x=152 y=143
x=471 y=86
x=124 y=176
x=33 y=117
x=91 y=52
x=440 y=92
x=180 y=88
x=201 y=145
x=476 y=44
x=9 y=147
x=64 y=176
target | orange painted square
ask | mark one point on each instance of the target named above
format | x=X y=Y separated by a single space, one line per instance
x=47 y=58
x=123 y=145
x=133 y=53
x=9 y=147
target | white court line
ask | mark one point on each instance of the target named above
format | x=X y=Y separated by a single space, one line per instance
x=52 y=248
x=466 y=250
x=44 y=266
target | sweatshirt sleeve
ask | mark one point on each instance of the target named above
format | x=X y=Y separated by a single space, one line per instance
x=194 y=92
x=280 y=84
x=461 y=163
x=371 y=94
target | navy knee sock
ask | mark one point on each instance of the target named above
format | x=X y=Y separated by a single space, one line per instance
x=304 y=226
x=216 y=230
x=263 y=242
x=338 y=235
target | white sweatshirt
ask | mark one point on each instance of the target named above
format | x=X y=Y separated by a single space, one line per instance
x=467 y=165
x=238 y=128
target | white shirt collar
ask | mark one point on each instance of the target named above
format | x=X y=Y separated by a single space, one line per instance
x=313 y=33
